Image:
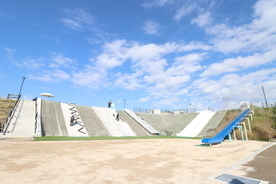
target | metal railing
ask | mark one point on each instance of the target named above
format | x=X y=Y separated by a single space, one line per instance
x=11 y=115
x=168 y=111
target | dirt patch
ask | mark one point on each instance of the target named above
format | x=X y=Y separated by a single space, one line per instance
x=119 y=161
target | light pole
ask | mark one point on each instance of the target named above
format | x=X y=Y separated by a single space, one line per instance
x=23 y=79
x=226 y=99
x=265 y=97
x=124 y=103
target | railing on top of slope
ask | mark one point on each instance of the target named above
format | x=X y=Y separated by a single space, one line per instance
x=11 y=115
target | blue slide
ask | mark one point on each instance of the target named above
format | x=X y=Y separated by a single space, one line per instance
x=222 y=134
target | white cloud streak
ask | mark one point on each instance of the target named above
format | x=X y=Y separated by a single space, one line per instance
x=77 y=18
x=151 y=27
x=52 y=76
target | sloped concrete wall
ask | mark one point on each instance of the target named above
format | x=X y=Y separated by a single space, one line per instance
x=52 y=120
x=91 y=121
x=138 y=129
x=214 y=122
x=168 y=123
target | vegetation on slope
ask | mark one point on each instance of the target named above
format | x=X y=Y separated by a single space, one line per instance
x=263 y=125
x=6 y=106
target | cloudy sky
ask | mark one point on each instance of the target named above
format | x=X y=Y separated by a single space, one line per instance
x=153 y=54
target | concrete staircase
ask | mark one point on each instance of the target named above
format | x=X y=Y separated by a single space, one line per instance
x=23 y=122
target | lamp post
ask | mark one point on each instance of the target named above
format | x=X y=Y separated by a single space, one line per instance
x=23 y=79
x=265 y=97
x=226 y=99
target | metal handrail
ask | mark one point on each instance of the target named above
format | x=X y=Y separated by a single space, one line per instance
x=11 y=114
x=36 y=114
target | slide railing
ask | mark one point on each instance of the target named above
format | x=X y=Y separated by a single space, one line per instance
x=143 y=123
x=227 y=130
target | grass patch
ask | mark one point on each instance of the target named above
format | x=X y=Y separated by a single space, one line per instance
x=203 y=145
x=65 y=138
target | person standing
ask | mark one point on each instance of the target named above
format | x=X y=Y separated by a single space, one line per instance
x=109 y=104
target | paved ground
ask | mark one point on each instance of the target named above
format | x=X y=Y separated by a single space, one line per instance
x=130 y=161
x=261 y=166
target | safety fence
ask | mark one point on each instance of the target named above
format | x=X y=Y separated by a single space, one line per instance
x=165 y=111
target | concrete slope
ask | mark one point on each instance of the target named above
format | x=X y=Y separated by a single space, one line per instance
x=194 y=128
x=115 y=127
x=91 y=121
x=168 y=124
x=177 y=122
x=77 y=129
x=108 y=120
x=137 y=128
x=24 y=123
x=211 y=126
x=52 y=120
x=142 y=122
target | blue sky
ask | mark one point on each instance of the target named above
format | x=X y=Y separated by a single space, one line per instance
x=155 y=54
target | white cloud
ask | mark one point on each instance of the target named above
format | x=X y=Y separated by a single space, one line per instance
x=202 y=19
x=239 y=63
x=31 y=63
x=265 y=11
x=129 y=81
x=77 y=18
x=143 y=65
x=151 y=27
x=59 y=60
x=194 y=46
x=184 y=10
x=145 y=99
x=259 y=35
x=9 y=52
x=55 y=75
x=238 y=87
x=186 y=64
x=114 y=54
x=156 y=3
x=90 y=77
x=73 y=24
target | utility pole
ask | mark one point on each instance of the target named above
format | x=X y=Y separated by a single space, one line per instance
x=265 y=97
